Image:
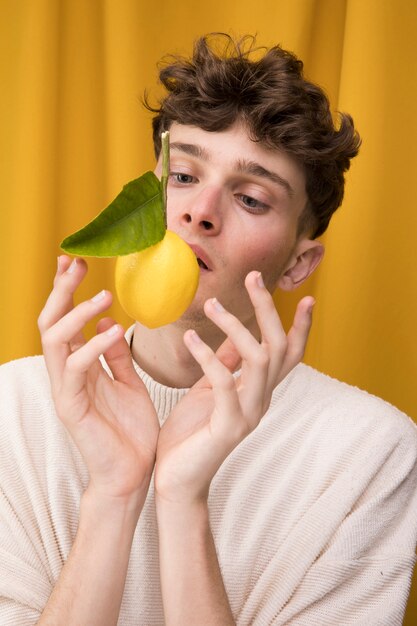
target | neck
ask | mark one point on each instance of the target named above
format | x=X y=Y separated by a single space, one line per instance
x=162 y=354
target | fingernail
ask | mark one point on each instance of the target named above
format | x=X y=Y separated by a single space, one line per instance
x=310 y=308
x=259 y=280
x=99 y=296
x=217 y=305
x=58 y=264
x=195 y=337
x=112 y=330
x=72 y=267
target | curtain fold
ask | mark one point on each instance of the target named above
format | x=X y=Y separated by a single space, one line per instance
x=72 y=132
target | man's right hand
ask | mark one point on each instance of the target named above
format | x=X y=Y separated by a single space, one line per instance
x=112 y=420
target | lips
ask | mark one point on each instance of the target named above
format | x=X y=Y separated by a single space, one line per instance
x=203 y=259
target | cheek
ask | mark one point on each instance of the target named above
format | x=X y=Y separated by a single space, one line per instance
x=268 y=255
x=264 y=250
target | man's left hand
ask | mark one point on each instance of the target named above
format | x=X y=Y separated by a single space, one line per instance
x=221 y=409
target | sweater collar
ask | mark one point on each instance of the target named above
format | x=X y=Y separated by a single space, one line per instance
x=164 y=398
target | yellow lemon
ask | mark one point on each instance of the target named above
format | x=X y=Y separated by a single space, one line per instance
x=157 y=285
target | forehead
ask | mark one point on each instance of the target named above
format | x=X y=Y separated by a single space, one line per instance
x=233 y=149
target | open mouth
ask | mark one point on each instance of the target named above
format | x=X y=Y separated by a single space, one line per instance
x=202 y=257
x=202 y=264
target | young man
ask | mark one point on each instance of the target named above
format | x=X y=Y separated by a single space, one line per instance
x=213 y=479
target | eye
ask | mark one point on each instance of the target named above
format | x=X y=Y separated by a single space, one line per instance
x=252 y=204
x=181 y=178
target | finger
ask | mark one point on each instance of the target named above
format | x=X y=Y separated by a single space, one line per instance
x=238 y=335
x=255 y=358
x=274 y=338
x=69 y=275
x=118 y=357
x=228 y=355
x=298 y=333
x=227 y=415
x=266 y=313
x=63 y=263
x=57 y=340
x=79 y=362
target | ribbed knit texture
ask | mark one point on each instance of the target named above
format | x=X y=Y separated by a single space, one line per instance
x=314 y=515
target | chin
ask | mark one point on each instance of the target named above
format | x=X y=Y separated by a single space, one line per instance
x=194 y=315
x=192 y=318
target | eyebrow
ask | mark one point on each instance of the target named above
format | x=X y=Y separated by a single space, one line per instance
x=255 y=169
x=252 y=168
x=192 y=149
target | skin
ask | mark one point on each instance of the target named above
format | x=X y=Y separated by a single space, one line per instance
x=113 y=421
x=241 y=238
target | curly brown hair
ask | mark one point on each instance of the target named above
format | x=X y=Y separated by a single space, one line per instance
x=232 y=81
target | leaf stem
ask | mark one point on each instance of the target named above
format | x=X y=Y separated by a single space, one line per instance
x=165 y=171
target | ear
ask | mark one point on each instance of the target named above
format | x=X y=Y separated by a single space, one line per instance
x=304 y=260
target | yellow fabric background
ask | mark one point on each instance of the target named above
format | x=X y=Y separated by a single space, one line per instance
x=72 y=132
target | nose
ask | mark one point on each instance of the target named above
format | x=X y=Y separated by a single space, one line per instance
x=202 y=214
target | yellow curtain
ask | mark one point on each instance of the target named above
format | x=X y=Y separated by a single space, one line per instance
x=72 y=132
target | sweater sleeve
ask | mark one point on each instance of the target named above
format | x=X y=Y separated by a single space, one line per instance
x=360 y=571
x=363 y=574
x=331 y=529
x=24 y=585
x=39 y=487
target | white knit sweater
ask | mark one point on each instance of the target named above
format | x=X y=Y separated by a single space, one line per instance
x=314 y=515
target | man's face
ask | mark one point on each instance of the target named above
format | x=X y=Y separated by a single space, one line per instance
x=237 y=204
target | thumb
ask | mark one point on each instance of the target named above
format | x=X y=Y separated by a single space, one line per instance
x=119 y=357
x=228 y=355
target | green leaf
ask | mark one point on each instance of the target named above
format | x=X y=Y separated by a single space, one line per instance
x=133 y=221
